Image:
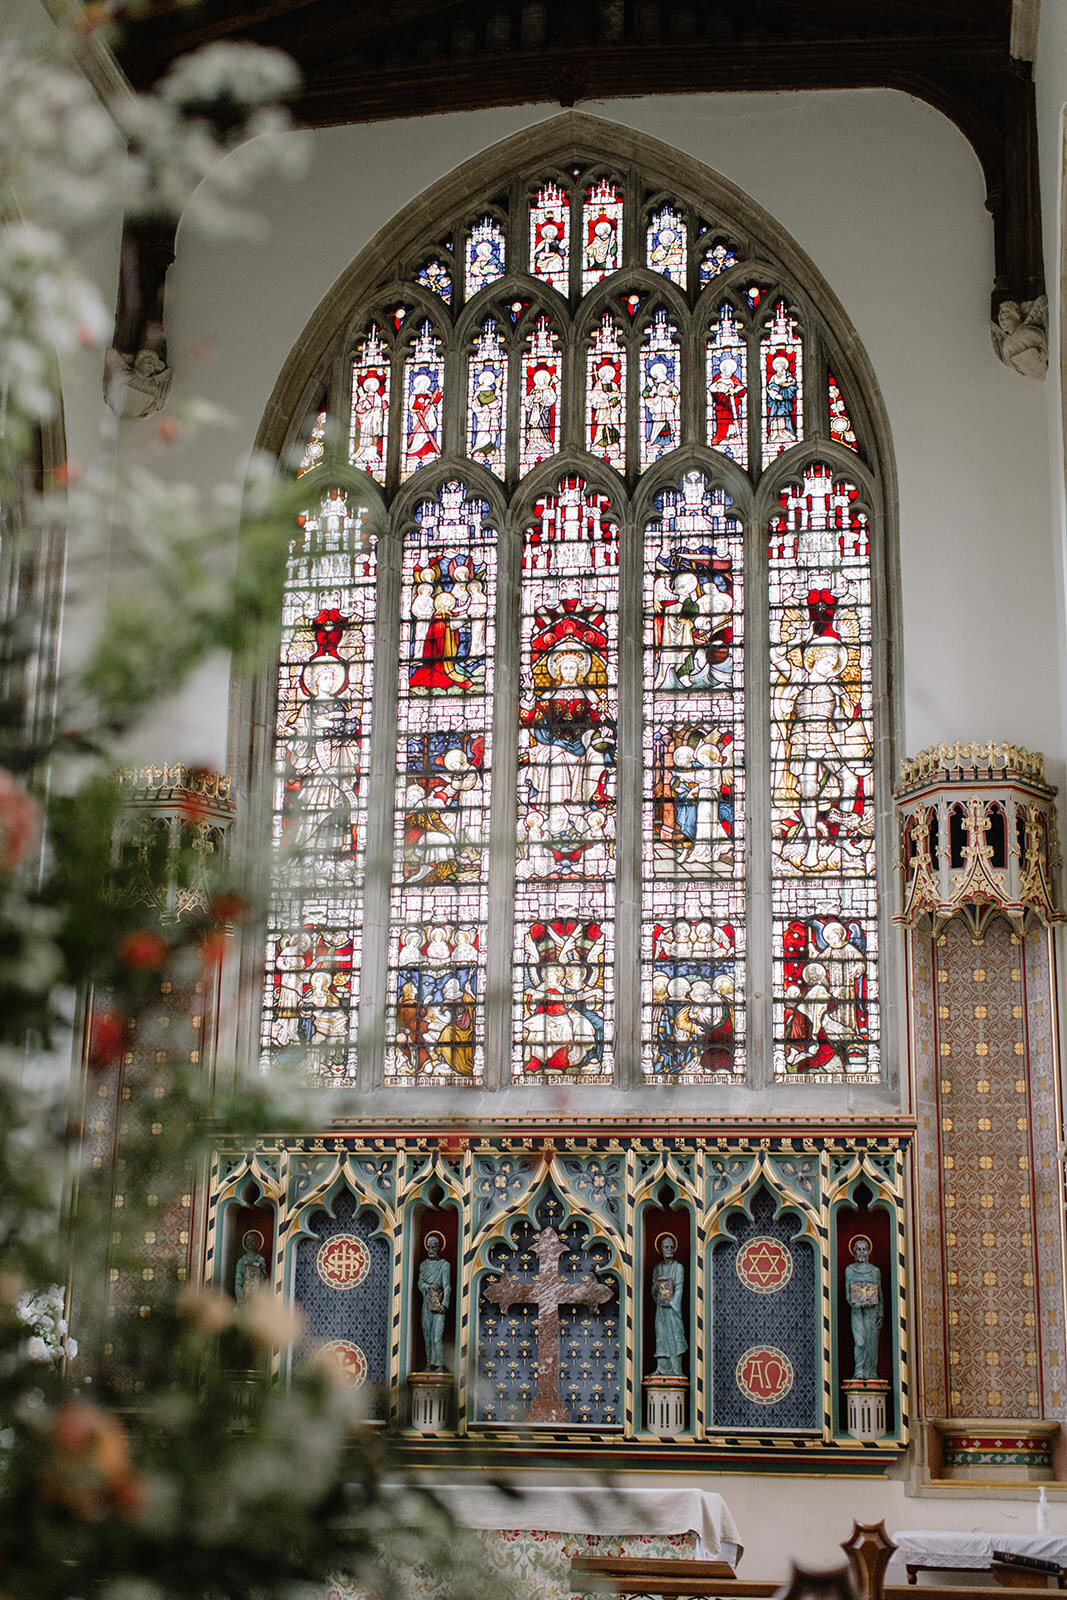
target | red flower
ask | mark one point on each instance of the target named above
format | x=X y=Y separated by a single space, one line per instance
x=19 y=819
x=107 y=1038
x=89 y=1472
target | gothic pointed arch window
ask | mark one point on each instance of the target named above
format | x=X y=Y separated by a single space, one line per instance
x=580 y=681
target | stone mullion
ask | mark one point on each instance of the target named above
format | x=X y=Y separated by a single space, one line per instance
x=628 y=806
x=499 y=967
x=380 y=815
x=759 y=1011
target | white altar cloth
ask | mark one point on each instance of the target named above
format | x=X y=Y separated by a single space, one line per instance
x=924 y=1547
x=600 y=1510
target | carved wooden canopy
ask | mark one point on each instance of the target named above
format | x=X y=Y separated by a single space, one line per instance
x=366 y=60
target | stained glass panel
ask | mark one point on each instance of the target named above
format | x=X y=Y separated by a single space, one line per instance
x=727 y=379
x=314 y=936
x=693 y=742
x=605 y=395
x=721 y=255
x=435 y=276
x=783 y=383
x=487 y=400
x=841 y=430
x=822 y=806
x=550 y=238
x=441 y=870
x=539 y=422
x=601 y=233
x=369 y=434
x=315 y=448
x=661 y=412
x=566 y=788
x=667 y=247
x=424 y=376
x=485 y=255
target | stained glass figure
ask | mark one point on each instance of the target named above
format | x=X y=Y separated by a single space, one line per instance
x=721 y=255
x=693 y=783
x=424 y=374
x=783 y=392
x=550 y=236
x=822 y=808
x=566 y=786
x=667 y=244
x=826 y=988
x=539 y=420
x=321 y=764
x=601 y=233
x=693 y=997
x=485 y=255
x=727 y=379
x=605 y=395
x=435 y=276
x=661 y=418
x=444 y=716
x=841 y=430
x=487 y=399
x=315 y=448
x=369 y=433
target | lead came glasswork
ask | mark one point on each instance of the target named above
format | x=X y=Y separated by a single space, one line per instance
x=605 y=395
x=667 y=245
x=783 y=383
x=539 y=415
x=566 y=790
x=693 y=937
x=550 y=236
x=369 y=433
x=314 y=934
x=487 y=400
x=441 y=864
x=661 y=419
x=602 y=233
x=727 y=381
x=424 y=376
x=824 y=896
x=816 y=857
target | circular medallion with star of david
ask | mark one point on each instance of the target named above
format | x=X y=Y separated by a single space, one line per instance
x=764 y=1374
x=764 y=1265
x=349 y=1357
x=342 y=1261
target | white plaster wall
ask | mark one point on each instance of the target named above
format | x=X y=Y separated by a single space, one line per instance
x=887 y=198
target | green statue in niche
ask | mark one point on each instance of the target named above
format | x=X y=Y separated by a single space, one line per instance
x=668 y=1280
x=435 y=1286
x=863 y=1291
x=251 y=1272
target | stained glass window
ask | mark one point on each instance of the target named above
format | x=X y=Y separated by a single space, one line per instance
x=485 y=255
x=424 y=376
x=314 y=936
x=369 y=436
x=550 y=238
x=630 y=712
x=693 y=944
x=605 y=395
x=661 y=415
x=824 y=893
x=565 y=860
x=441 y=855
x=667 y=244
x=602 y=233
x=783 y=393
x=539 y=427
x=727 y=378
x=315 y=447
x=487 y=400
x=841 y=429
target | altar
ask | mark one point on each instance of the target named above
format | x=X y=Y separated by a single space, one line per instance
x=921 y=1549
x=531 y=1535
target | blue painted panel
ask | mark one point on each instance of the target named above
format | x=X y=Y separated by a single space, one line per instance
x=359 y=1315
